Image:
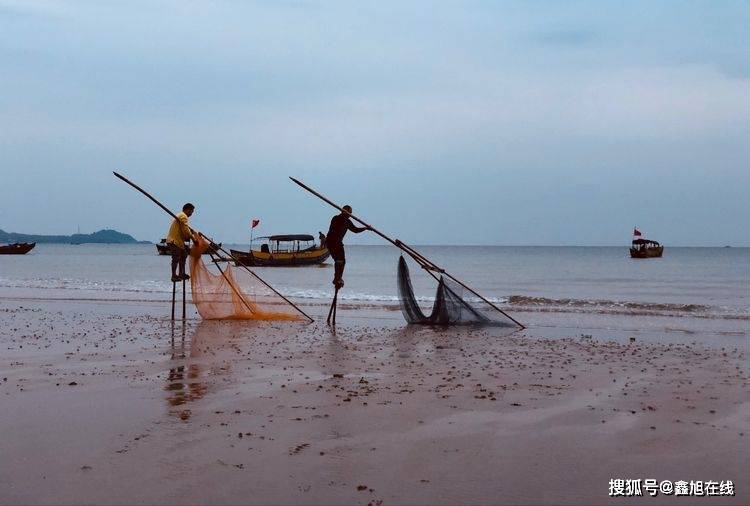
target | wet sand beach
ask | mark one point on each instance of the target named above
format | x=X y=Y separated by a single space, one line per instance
x=110 y=403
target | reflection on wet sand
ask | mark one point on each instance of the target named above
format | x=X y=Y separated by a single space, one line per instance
x=188 y=379
x=277 y=413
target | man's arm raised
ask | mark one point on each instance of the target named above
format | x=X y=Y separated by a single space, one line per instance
x=354 y=228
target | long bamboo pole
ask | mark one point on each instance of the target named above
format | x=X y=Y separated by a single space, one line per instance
x=144 y=192
x=423 y=262
x=409 y=250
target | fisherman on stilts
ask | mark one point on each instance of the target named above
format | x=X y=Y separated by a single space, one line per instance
x=196 y=236
x=177 y=238
x=340 y=224
x=426 y=264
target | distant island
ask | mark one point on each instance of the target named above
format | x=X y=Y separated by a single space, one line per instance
x=100 y=237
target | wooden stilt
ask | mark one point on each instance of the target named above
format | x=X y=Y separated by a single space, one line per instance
x=174 y=296
x=335 y=308
x=332 y=310
x=183 y=299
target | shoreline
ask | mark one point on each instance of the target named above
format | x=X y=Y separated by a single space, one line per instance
x=548 y=322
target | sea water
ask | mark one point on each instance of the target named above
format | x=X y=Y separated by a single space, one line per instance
x=689 y=290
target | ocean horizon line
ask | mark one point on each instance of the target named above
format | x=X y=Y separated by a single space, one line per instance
x=435 y=245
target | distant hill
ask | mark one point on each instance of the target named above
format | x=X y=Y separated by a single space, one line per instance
x=100 y=237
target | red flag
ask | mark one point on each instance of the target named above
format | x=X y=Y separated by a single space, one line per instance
x=636 y=232
x=254 y=222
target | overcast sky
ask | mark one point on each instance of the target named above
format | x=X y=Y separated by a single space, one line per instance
x=441 y=122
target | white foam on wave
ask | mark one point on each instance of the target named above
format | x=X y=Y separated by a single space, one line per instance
x=141 y=286
x=149 y=286
x=152 y=287
x=359 y=296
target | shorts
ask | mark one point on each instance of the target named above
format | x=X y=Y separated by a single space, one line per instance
x=337 y=252
x=178 y=253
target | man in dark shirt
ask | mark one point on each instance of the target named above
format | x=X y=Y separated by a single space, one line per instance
x=335 y=242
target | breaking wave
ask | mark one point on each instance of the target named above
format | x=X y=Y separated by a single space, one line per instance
x=367 y=297
x=159 y=290
x=627 y=308
x=522 y=300
x=143 y=286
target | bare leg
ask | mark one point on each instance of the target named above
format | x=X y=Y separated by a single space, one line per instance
x=338 y=276
x=183 y=258
x=177 y=260
x=175 y=264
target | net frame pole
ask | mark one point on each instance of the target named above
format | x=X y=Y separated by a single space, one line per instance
x=417 y=257
x=183 y=300
x=408 y=249
x=220 y=248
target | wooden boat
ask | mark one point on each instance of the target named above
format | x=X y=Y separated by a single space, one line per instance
x=644 y=248
x=283 y=251
x=163 y=248
x=18 y=248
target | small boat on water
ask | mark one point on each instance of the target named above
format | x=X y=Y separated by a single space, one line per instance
x=17 y=248
x=163 y=248
x=283 y=251
x=644 y=248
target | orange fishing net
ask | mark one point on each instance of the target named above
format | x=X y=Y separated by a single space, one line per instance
x=220 y=295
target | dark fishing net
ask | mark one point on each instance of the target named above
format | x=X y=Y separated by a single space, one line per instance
x=449 y=308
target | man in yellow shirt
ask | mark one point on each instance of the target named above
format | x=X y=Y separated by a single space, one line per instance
x=180 y=233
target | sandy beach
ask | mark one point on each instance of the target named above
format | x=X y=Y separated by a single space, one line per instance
x=110 y=403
